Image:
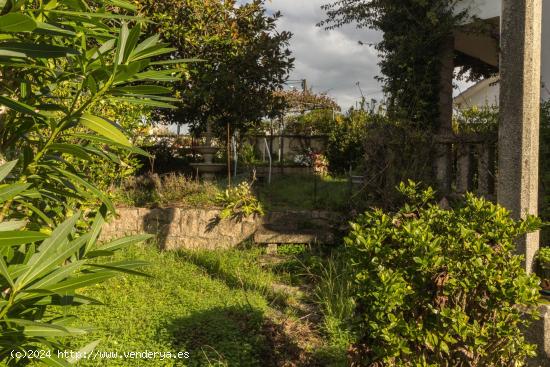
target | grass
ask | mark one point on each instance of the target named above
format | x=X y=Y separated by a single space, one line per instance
x=325 y=271
x=306 y=192
x=168 y=190
x=219 y=306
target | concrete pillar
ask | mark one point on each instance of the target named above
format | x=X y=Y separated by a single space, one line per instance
x=483 y=169
x=463 y=168
x=518 y=133
x=443 y=163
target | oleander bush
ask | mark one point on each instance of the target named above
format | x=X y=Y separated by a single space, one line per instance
x=62 y=63
x=438 y=287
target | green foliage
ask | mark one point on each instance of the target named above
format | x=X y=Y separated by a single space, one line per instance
x=345 y=148
x=134 y=120
x=244 y=60
x=291 y=249
x=476 y=120
x=394 y=152
x=317 y=122
x=239 y=202
x=43 y=269
x=543 y=258
x=543 y=266
x=333 y=291
x=415 y=33
x=51 y=133
x=307 y=113
x=439 y=287
x=247 y=156
x=58 y=62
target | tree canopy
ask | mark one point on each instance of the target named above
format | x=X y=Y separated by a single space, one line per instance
x=243 y=59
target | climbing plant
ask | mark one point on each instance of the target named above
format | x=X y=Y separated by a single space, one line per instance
x=414 y=35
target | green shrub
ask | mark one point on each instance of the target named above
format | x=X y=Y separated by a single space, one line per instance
x=543 y=266
x=66 y=60
x=247 y=155
x=239 y=202
x=476 y=120
x=345 y=148
x=543 y=258
x=441 y=287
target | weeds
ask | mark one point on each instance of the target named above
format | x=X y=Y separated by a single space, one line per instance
x=333 y=292
x=171 y=189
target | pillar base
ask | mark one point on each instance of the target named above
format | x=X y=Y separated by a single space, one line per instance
x=539 y=333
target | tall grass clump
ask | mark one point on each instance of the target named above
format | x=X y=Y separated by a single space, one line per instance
x=333 y=292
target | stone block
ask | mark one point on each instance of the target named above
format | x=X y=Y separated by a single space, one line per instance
x=267 y=236
x=189 y=223
x=248 y=228
x=172 y=243
x=229 y=228
x=539 y=333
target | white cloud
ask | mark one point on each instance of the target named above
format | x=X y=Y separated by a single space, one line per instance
x=333 y=60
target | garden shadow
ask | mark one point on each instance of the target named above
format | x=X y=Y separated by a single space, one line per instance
x=158 y=222
x=211 y=262
x=235 y=336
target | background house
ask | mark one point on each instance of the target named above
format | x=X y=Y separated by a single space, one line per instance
x=485 y=48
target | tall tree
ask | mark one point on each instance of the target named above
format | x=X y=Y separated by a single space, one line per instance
x=244 y=60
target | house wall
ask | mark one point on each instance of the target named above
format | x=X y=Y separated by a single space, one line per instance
x=485 y=93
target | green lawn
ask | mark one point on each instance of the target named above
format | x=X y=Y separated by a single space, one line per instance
x=306 y=192
x=220 y=307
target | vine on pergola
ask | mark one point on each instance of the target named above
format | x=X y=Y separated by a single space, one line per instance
x=301 y=101
x=414 y=35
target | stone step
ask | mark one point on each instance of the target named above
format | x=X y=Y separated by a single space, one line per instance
x=267 y=236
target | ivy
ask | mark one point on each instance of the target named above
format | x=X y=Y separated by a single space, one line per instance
x=414 y=35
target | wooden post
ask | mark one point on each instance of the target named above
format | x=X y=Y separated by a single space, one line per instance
x=228 y=155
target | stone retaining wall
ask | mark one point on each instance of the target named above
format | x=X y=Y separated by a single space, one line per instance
x=200 y=228
x=181 y=228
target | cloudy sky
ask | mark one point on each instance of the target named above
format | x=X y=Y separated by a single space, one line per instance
x=331 y=61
